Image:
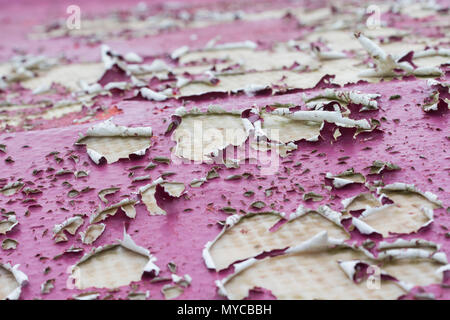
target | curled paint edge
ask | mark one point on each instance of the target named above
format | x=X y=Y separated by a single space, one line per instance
x=12 y=185
x=107 y=191
x=368 y=100
x=196 y=183
x=432 y=82
x=385 y=63
x=324 y=211
x=320 y=116
x=230 y=222
x=121 y=204
x=339 y=180
x=260 y=133
x=150 y=185
x=428 y=71
x=349 y=268
x=400 y=186
x=413 y=253
x=170 y=286
x=109 y=129
x=128 y=243
x=20 y=277
x=177 y=53
x=96 y=156
x=311 y=115
x=149 y=94
x=213 y=109
x=247 y=44
x=83 y=234
x=13 y=220
x=431 y=52
x=320 y=241
x=121 y=85
x=133 y=57
x=348 y=201
x=87 y=296
x=411 y=243
x=365 y=228
x=163 y=183
x=157 y=65
x=59 y=228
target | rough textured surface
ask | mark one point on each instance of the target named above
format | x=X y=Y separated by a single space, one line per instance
x=39 y=124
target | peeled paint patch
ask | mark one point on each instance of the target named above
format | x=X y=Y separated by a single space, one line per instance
x=414 y=266
x=87 y=296
x=345 y=178
x=386 y=64
x=67 y=75
x=439 y=95
x=200 y=136
x=197 y=183
x=70 y=225
x=367 y=100
x=114 y=26
x=11 y=188
x=114 y=142
x=174 y=189
x=378 y=167
x=59 y=110
x=280 y=128
x=259 y=60
x=126 y=205
x=361 y=201
x=11 y=282
x=6 y=225
x=345 y=71
x=138 y=295
x=152 y=95
x=393 y=219
x=104 y=192
x=305 y=272
x=113 y=266
x=92 y=233
x=48 y=286
x=245 y=236
x=9 y=244
x=171 y=291
x=30 y=157
x=410 y=211
x=338 y=40
x=402 y=192
x=389 y=66
x=285 y=126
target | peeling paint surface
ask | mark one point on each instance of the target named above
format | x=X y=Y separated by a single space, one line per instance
x=341 y=95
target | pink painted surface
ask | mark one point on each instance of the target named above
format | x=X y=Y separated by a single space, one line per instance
x=416 y=141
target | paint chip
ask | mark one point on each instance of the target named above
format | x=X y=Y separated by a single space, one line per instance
x=11 y=282
x=113 y=265
x=113 y=142
x=245 y=236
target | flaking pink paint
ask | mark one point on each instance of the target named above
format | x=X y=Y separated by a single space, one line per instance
x=180 y=236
